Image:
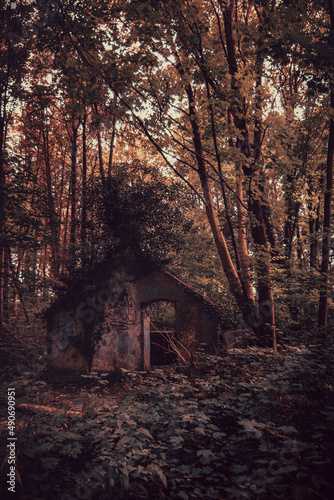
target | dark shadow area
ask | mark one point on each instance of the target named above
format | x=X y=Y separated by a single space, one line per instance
x=162 y=332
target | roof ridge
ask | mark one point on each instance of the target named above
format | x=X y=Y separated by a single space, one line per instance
x=190 y=288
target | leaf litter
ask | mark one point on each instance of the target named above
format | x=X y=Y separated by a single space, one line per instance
x=248 y=425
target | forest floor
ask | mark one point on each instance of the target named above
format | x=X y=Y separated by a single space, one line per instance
x=249 y=425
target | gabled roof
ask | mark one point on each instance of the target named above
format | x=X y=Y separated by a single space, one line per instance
x=85 y=281
x=192 y=291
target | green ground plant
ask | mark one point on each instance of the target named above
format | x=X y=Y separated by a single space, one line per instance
x=250 y=425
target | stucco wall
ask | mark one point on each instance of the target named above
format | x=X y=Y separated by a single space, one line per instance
x=120 y=332
x=65 y=342
x=106 y=325
x=192 y=312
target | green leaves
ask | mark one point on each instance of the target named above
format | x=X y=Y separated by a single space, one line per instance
x=248 y=426
x=252 y=427
x=142 y=212
x=145 y=432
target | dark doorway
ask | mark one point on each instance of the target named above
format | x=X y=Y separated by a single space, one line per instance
x=162 y=333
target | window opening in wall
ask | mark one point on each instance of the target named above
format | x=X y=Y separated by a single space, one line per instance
x=162 y=331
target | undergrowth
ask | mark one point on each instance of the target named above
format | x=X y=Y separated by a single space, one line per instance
x=252 y=425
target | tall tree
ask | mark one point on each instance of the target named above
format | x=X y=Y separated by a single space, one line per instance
x=15 y=47
x=191 y=65
x=323 y=301
x=222 y=91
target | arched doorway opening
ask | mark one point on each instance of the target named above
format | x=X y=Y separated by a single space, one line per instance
x=159 y=327
x=162 y=332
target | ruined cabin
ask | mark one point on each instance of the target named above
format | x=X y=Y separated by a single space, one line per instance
x=102 y=322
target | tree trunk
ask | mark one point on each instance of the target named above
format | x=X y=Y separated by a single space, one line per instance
x=17 y=285
x=52 y=218
x=65 y=252
x=20 y=262
x=266 y=323
x=2 y=213
x=84 y=183
x=291 y=221
x=314 y=228
x=62 y=198
x=113 y=135
x=242 y=237
x=2 y=234
x=73 y=184
x=248 y=290
x=236 y=288
x=323 y=300
x=99 y=145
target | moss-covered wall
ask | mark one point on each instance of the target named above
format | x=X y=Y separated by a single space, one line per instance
x=105 y=325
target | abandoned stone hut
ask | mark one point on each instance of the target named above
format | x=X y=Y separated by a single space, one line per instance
x=103 y=322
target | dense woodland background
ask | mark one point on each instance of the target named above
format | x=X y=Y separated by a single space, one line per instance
x=199 y=133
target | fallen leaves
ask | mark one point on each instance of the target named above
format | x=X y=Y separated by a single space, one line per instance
x=229 y=433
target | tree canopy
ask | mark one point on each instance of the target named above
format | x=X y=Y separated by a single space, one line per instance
x=122 y=120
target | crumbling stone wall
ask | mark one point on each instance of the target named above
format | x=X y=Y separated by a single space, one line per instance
x=105 y=325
